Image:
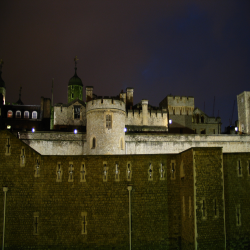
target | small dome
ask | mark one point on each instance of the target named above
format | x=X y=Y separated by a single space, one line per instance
x=75 y=80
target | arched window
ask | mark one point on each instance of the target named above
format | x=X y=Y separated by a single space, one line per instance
x=18 y=114
x=108 y=121
x=94 y=142
x=202 y=119
x=26 y=114
x=9 y=114
x=34 y=115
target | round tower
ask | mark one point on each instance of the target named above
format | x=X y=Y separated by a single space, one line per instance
x=2 y=83
x=105 y=127
x=75 y=86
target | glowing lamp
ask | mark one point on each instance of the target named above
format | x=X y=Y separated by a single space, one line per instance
x=170 y=121
x=8 y=127
x=32 y=130
x=75 y=131
x=236 y=129
x=125 y=129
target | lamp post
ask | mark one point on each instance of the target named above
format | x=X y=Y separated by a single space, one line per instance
x=130 y=241
x=5 y=189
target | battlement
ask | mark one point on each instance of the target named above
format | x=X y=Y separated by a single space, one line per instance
x=105 y=104
x=180 y=101
x=136 y=113
x=177 y=101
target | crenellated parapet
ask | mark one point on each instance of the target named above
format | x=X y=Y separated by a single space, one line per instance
x=178 y=105
x=105 y=104
x=153 y=117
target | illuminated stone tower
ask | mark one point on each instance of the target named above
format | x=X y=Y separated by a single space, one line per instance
x=2 y=83
x=105 y=127
x=75 y=86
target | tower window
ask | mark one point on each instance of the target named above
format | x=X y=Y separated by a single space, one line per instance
x=108 y=121
x=9 y=114
x=18 y=114
x=72 y=95
x=26 y=114
x=77 y=110
x=94 y=142
x=34 y=115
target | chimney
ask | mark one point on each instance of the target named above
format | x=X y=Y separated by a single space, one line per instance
x=89 y=93
x=130 y=93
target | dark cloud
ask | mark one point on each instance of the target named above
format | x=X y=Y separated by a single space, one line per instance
x=191 y=48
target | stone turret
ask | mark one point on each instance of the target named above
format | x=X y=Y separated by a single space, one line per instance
x=105 y=127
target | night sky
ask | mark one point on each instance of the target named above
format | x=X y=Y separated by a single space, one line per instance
x=187 y=48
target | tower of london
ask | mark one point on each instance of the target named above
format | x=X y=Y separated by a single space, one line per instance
x=103 y=172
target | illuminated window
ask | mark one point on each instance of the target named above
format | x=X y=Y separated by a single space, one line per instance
x=108 y=121
x=34 y=115
x=77 y=110
x=18 y=114
x=9 y=114
x=26 y=114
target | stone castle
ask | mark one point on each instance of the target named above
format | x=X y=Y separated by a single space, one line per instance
x=107 y=174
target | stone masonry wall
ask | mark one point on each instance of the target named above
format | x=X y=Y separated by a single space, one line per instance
x=61 y=205
x=209 y=199
x=237 y=186
x=185 y=167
